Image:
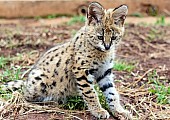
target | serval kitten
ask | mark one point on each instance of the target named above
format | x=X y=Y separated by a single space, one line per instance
x=74 y=67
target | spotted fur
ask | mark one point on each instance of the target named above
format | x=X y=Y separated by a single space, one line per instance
x=75 y=66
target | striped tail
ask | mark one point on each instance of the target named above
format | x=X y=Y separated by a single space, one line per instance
x=13 y=85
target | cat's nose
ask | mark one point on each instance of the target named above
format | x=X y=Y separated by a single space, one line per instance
x=107 y=47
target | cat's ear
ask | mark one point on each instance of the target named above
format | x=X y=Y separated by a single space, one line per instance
x=119 y=14
x=95 y=13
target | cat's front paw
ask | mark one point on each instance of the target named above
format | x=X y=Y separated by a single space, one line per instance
x=124 y=115
x=128 y=115
x=101 y=113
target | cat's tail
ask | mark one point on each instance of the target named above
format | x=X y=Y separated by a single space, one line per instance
x=13 y=85
x=16 y=84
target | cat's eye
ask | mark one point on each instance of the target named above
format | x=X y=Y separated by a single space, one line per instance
x=113 y=37
x=115 y=22
x=100 y=37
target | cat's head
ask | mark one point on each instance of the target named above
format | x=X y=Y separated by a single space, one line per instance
x=105 y=28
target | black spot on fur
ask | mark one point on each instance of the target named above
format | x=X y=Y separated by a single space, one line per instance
x=111 y=105
x=55 y=71
x=78 y=68
x=56 y=54
x=91 y=36
x=106 y=86
x=43 y=87
x=111 y=60
x=81 y=78
x=95 y=63
x=33 y=82
x=74 y=45
x=62 y=93
x=55 y=50
x=53 y=76
x=92 y=71
x=62 y=52
x=107 y=72
x=84 y=85
x=111 y=93
x=80 y=89
x=82 y=62
x=48 y=70
x=66 y=71
x=91 y=97
x=92 y=101
x=87 y=72
x=47 y=63
x=54 y=83
x=61 y=79
x=14 y=88
x=58 y=63
x=38 y=78
x=84 y=78
x=43 y=75
x=51 y=58
x=67 y=61
x=88 y=92
x=76 y=72
x=77 y=38
x=89 y=56
x=74 y=68
x=109 y=100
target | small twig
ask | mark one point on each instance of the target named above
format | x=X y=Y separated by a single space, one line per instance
x=141 y=77
x=154 y=46
x=76 y=117
x=26 y=72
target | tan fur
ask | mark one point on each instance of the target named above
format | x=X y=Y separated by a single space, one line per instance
x=75 y=66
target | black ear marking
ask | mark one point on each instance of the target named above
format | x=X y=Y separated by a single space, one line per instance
x=95 y=12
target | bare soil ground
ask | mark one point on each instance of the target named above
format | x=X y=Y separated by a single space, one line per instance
x=147 y=47
x=55 y=21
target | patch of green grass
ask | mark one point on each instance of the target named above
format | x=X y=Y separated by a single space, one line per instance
x=102 y=98
x=74 y=103
x=51 y=16
x=76 y=19
x=10 y=74
x=4 y=61
x=137 y=14
x=152 y=34
x=77 y=102
x=122 y=66
x=161 y=91
x=6 y=95
x=160 y=21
